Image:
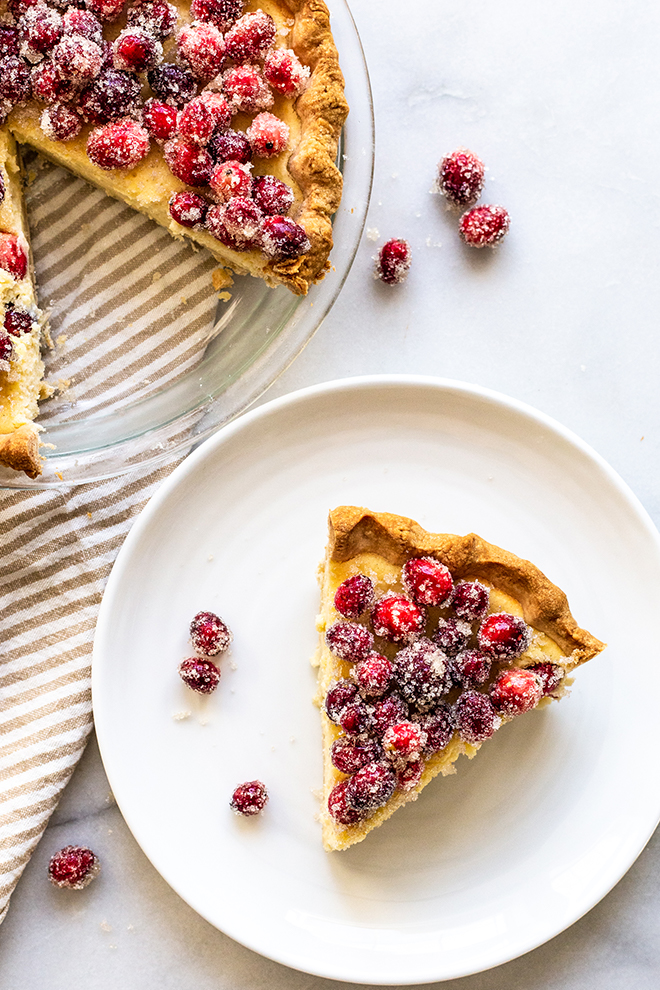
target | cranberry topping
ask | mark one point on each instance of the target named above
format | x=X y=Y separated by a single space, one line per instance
x=49 y=85
x=404 y=741
x=6 y=350
x=461 y=177
x=275 y=197
x=230 y=179
x=484 y=226
x=160 y=120
x=250 y=36
x=199 y=674
x=470 y=600
x=230 y=146
x=81 y=22
x=40 y=29
x=550 y=674
x=472 y=667
x=349 y=641
x=77 y=58
x=387 y=712
x=476 y=718
x=172 y=84
x=339 y=809
x=246 y=89
x=452 y=635
x=397 y=618
x=14 y=80
x=516 y=692
x=209 y=634
x=236 y=223
x=202 y=47
x=427 y=581
x=73 y=867
x=13 y=256
x=118 y=145
x=504 y=636
x=136 y=51
x=355 y=594
x=60 y=123
x=205 y=114
x=349 y=756
x=393 y=262
x=9 y=43
x=17 y=321
x=188 y=209
x=409 y=775
x=249 y=799
x=422 y=674
x=106 y=10
x=338 y=697
x=355 y=718
x=371 y=787
x=114 y=94
x=268 y=135
x=439 y=727
x=189 y=162
x=284 y=72
x=157 y=17
x=374 y=675
x=222 y=13
x=283 y=239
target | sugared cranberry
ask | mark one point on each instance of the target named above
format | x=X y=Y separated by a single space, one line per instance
x=422 y=675
x=209 y=634
x=188 y=209
x=200 y=118
x=268 y=135
x=118 y=145
x=351 y=756
x=284 y=72
x=452 y=635
x=374 y=675
x=106 y=10
x=40 y=28
x=404 y=741
x=250 y=36
x=73 y=867
x=387 y=712
x=157 y=17
x=461 y=177
x=371 y=787
x=470 y=600
x=484 y=226
x=355 y=717
x=397 y=618
x=476 y=718
x=393 y=262
x=81 y=22
x=199 y=674
x=409 y=775
x=236 y=223
x=48 y=84
x=276 y=198
x=550 y=674
x=349 y=641
x=516 y=692
x=160 y=120
x=230 y=146
x=189 y=162
x=439 y=727
x=77 y=58
x=249 y=799
x=18 y=7
x=6 y=350
x=338 y=697
x=355 y=594
x=222 y=13
x=114 y=94
x=230 y=179
x=172 y=84
x=14 y=80
x=246 y=89
x=504 y=636
x=17 y=321
x=339 y=809
x=283 y=239
x=136 y=51
x=202 y=47
x=427 y=581
x=9 y=43
x=13 y=256
x=472 y=667
x=60 y=123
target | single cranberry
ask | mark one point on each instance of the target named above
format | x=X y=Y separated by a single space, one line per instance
x=250 y=36
x=205 y=114
x=157 y=17
x=9 y=43
x=112 y=95
x=550 y=674
x=350 y=756
x=409 y=775
x=516 y=692
x=246 y=89
x=476 y=718
x=77 y=58
x=189 y=162
x=249 y=799
x=60 y=123
x=472 y=667
x=504 y=636
x=338 y=697
x=452 y=635
x=393 y=262
x=75 y=21
x=461 y=177
x=222 y=13
x=484 y=226
x=136 y=51
x=230 y=179
x=14 y=80
x=276 y=198
x=374 y=675
x=13 y=256
x=283 y=239
x=199 y=674
x=268 y=135
x=339 y=809
x=236 y=223
x=397 y=618
x=404 y=741
x=439 y=727
x=371 y=787
x=355 y=718
x=48 y=84
x=202 y=48
x=106 y=10
x=427 y=581
x=160 y=120
x=6 y=350
x=349 y=641
x=284 y=72
x=230 y=146
x=40 y=28
x=122 y=144
x=387 y=712
x=73 y=867
x=17 y=321
x=355 y=594
x=172 y=84
x=188 y=209
x=209 y=634
x=470 y=600
x=422 y=675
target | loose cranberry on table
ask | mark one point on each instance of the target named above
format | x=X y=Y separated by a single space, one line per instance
x=484 y=226
x=188 y=209
x=284 y=72
x=122 y=145
x=371 y=787
x=209 y=634
x=476 y=717
x=250 y=36
x=422 y=674
x=397 y=618
x=393 y=262
x=339 y=809
x=427 y=581
x=73 y=867
x=516 y=692
x=373 y=675
x=550 y=674
x=504 y=636
x=199 y=674
x=202 y=48
x=249 y=798
x=461 y=177
x=470 y=600
x=13 y=256
x=452 y=635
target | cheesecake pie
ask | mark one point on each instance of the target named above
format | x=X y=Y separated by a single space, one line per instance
x=219 y=119
x=428 y=644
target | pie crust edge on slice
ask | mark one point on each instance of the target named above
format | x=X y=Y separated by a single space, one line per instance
x=517 y=586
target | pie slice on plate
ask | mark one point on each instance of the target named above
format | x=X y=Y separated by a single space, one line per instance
x=428 y=643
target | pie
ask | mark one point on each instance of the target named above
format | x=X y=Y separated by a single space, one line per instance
x=428 y=643
x=219 y=119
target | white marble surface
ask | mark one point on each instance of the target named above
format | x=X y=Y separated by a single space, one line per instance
x=561 y=102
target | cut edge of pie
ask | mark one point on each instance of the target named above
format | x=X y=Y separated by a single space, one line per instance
x=379 y=544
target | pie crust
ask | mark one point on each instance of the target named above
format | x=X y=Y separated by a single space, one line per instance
x=378 y=544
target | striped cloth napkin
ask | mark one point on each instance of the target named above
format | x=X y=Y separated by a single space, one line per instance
x=131 y=311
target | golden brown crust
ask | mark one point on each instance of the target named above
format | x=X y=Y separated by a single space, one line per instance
x=356 y=530
x=20 y=450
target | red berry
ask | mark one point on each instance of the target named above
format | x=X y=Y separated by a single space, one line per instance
x=200 y=118
x=282 y=238
x=355 y=594
x=40 y=29
x=389 y=711
x=106 y=10
x=6 y=350
x=550 y=674
x=222 y=13
x=160 y=120
x=268 y=135
x=284 y=72
x=374 y=675
x=77 y=58
x=476 y=718
x=49 y=85
x=393 y=262
x=246 y=89
x=397 y=618
x=516 y=692
x=230 y=179
x=136 y=51
x=14 y=80
x=355 y=718
x=156 y=17
x=409 y=775
x=81 y=22
x=9 y=43
x=209 y=634
x=13 y=255
x=484 y=226
x=470 y=600
x=404 y=741
x=230 y=146
x=188 y=209
x=273 y=197
x=349 y=756
x=438 y=727
x=472 y=667
x=112 y=95
x=199 y=674
x=172 y=84
x=338 y=697
x=236 y=223
x=118 y=145
x=17 y=321
x=249 y=799
x=73 y=867
x=202 y=47
x=452 y=635
x=461 y=177
x=504 y=636
x=60 y=123
x=422 y=674
x=371 y=787
x=189 y=162
x=250 y=36
x=349 y=641
x=339 y=809
x=427 y=581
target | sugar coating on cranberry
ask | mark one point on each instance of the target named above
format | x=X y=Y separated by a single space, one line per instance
x=393 y=262
x=9 y=41
x=48 y=84
x=60 y=123
x=516 y=691
x=338 y=697
x=338 y=807
x=472 y=667
x=268 y=135
x=209 y=634
x=230 y=179
x=14 y=80
x=397 y=618
x=274 y=197
x=106 y=10
x=550 y=674
x=427 y=581
x=236 y=223
x=230 y=146
x=249 y=798
x=348 y=756
x=452 y=635
x=172 y=84
x=246 y=89
x=199 y=674
x=188 y=161
x=373 y=675
x=205 y=114
x=77 y=58
x=112 y=95
x=250 y=36
x=13 y=255
x=404 y=741
x=422 y=674
x=461 y=177
x=157 y=17
x=476 y=717
x=188 y=209
x=470 y=600
x=73 y=867
x=439 y=727
x=202 y=47
x=284 y=71
x=160 y=119
x=120 y=145
x=349 y=641
x=6 y=350
x=282 y=239
x=355 y=718
x=135 y=50
x=355 y=594
x=17 y=321
x=484 y=226
x=222 y=13
x=387 y=712
x=82 y=22
x=40 y=29
x=409 y=775
x=504 y=636
x=371 y=787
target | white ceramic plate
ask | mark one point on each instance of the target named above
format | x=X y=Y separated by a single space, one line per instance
x=487 y=864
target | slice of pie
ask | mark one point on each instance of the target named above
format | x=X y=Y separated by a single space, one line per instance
x=428 y=643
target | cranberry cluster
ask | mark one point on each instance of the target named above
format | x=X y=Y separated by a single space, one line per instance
x=226 y=63
x=425 y=665
x=461 y=177
x=209 y=636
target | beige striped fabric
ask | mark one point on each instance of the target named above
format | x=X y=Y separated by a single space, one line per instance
x=131 y=310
